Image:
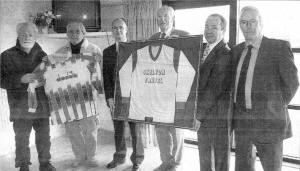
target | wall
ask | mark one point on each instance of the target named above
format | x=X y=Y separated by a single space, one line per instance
x=15 y=11
x=110 y=9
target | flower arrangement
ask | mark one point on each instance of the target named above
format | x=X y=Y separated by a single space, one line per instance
x=44 y=18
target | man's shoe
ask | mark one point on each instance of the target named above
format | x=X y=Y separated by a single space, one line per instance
x=47 y=167
x=114 y=163
x=24 y=168
x=91 y=162
x=135 y=167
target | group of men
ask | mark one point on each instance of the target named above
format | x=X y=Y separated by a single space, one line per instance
x=245 y=89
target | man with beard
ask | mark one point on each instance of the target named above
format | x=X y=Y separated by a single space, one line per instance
x=17 y=65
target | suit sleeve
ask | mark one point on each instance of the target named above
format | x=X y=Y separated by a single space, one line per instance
x=288 y=73
x=108 y=74
x=185 y=78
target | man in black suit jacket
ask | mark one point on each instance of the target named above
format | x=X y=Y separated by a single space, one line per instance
x=264 y=84
x=213 y=98
x=170 y=139
x=119 y=28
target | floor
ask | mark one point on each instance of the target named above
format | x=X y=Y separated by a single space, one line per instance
x=62 y=157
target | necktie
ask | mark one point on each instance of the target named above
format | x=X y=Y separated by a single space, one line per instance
x=206 y=52
x=163 y=35
x=240 y=96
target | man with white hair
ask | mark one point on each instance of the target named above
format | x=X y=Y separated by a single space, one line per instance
x=265 y=82
x=17 y=65
x=170 y=139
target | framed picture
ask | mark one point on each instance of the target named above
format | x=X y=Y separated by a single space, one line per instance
x=157 y=80
x=85 y=11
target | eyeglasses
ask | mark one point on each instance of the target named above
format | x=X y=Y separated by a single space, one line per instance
x=250 y=22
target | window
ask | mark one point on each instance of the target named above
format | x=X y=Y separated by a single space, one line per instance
x=193 y=20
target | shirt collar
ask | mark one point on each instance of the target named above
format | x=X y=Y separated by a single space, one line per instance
x=117 y=44
x=256 y=43
x=168 y=32
x=211 y=46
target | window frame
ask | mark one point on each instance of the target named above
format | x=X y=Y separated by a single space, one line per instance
x=211 y=3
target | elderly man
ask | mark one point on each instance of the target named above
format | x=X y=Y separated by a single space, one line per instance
x=265 y=82
x=119 y=30
x=82 y=133
x=214 y=97
x=170 y=139
x=17 y=65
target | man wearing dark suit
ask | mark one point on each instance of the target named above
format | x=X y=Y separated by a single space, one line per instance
x=214 y=97
x=119 y=29
x=170 y=139
x=264 y=84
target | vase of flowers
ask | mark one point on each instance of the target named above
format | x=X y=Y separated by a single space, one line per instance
x=44 y=21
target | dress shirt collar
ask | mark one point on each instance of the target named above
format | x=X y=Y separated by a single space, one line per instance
x=168 y=32
x=117 y=44
x=212 y=45
x=256 y=43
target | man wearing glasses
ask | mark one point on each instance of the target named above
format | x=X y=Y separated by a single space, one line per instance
x=265 y=82
x=119 y=30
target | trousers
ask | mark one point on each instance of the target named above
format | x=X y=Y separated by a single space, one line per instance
x=270 y=154
x=83 y=137
x=137 y=155
x=22 y=129
x=170 y=141
x=214 y=149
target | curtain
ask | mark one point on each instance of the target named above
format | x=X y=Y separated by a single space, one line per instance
x=141 y=18
x=140 y=15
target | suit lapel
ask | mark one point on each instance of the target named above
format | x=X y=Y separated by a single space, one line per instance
x=212 y=55
x=113 y=51
x=114 y=48
x=208 y=64
x=262 y=62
